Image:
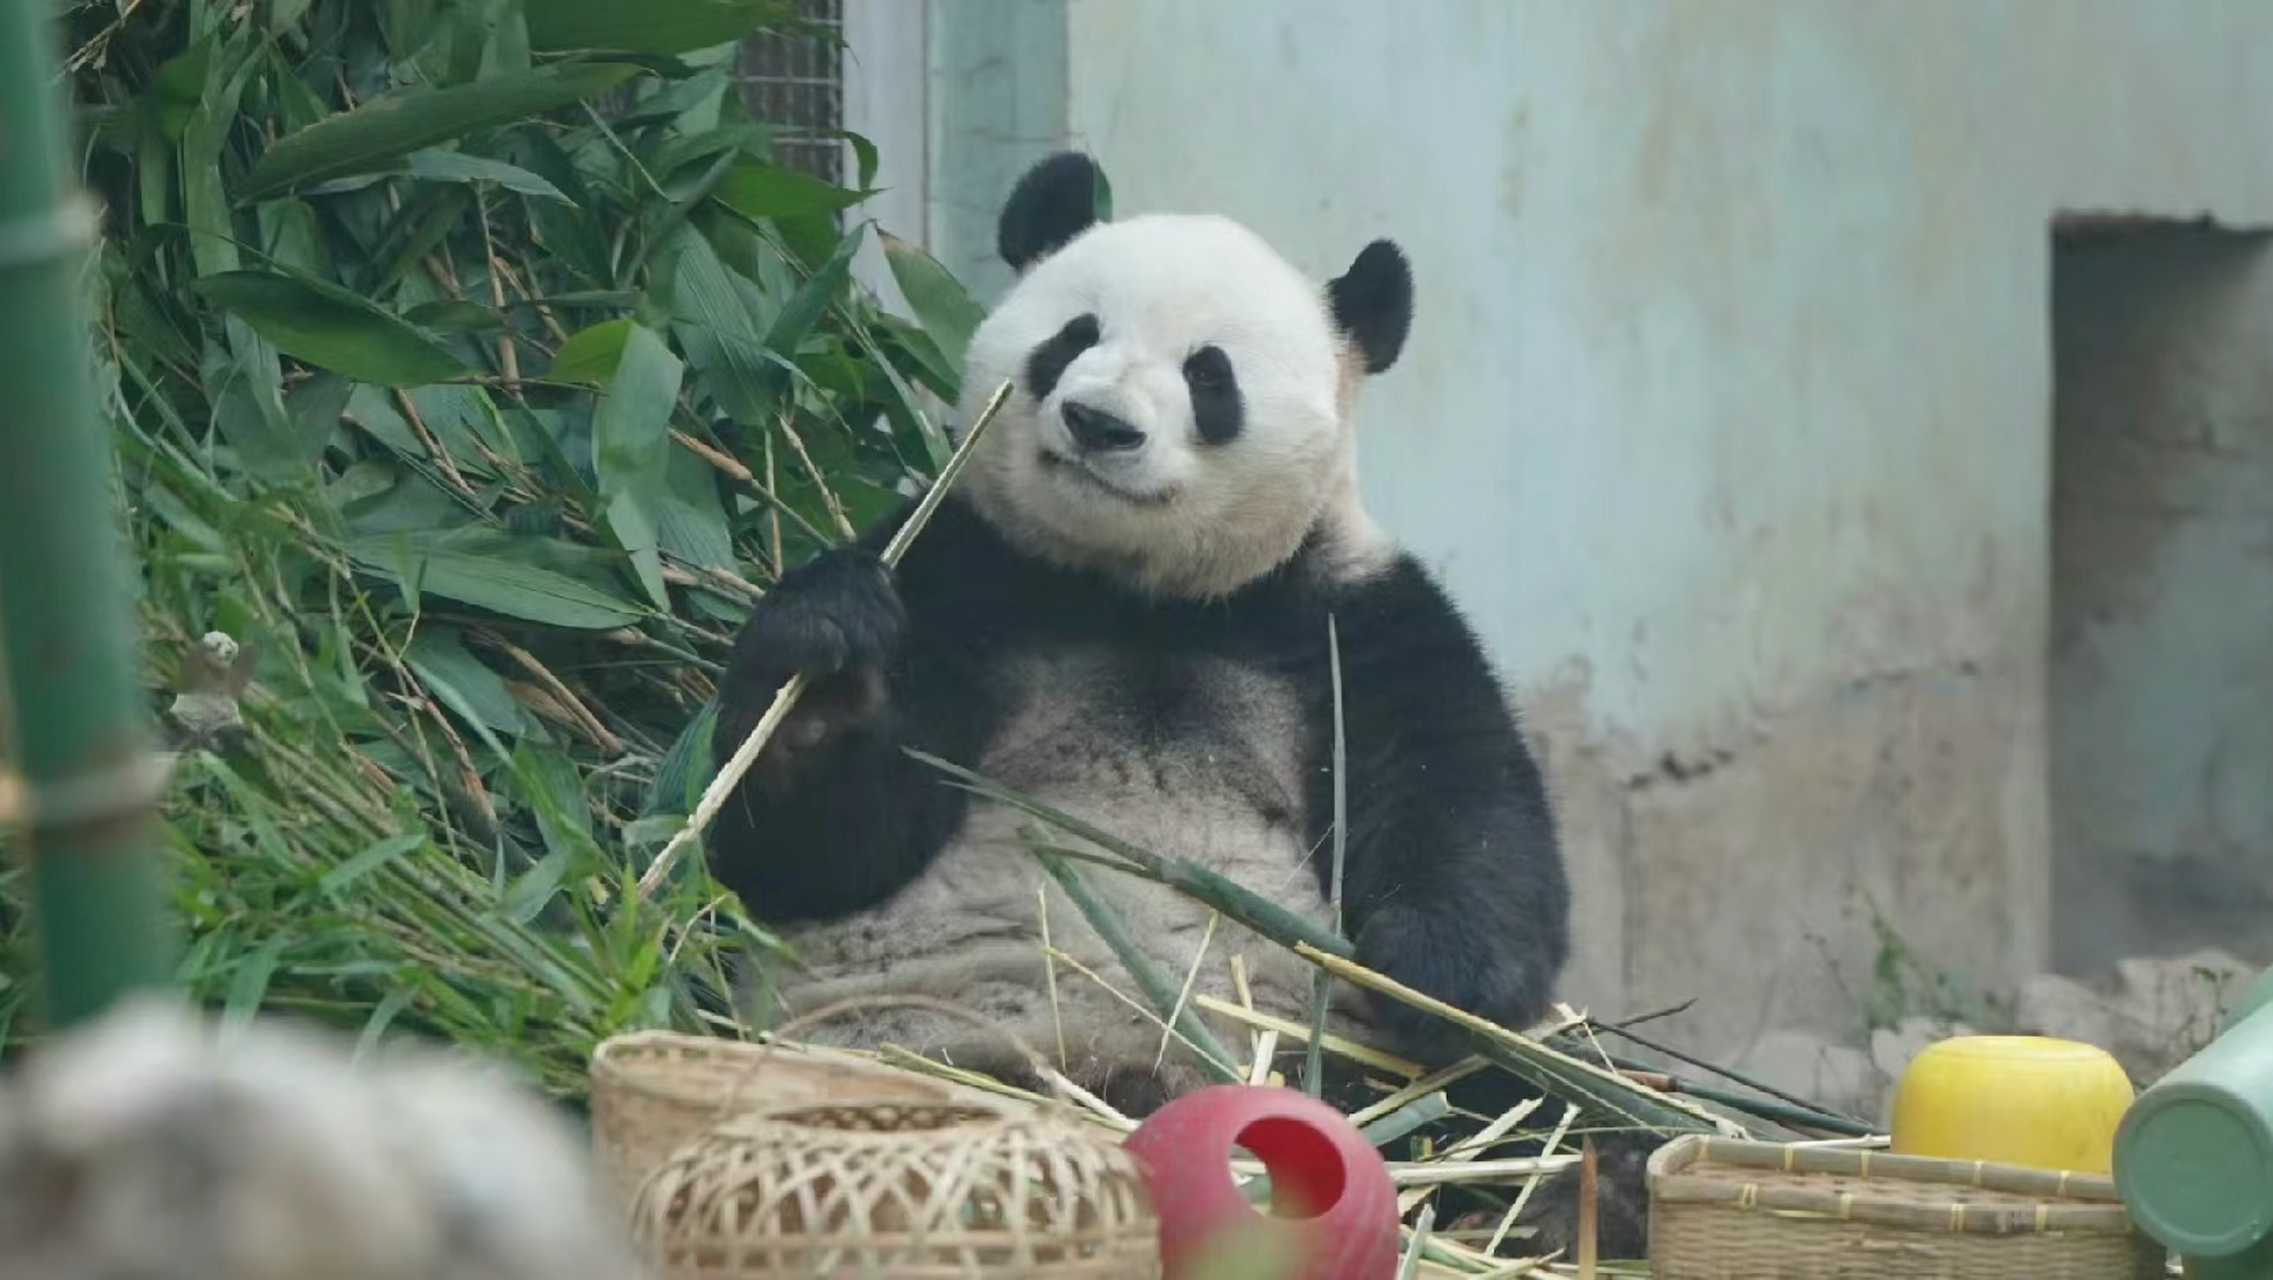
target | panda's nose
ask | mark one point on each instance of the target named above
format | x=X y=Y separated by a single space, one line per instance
x=1097 y=431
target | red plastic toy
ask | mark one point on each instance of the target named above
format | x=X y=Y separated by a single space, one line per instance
x=1333 y=1208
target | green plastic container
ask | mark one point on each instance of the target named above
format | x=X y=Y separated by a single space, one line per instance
x=2194 y=1154
x=2250 y=1264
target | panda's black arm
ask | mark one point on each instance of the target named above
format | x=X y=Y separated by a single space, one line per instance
x=846 y=824
x=1453 y=880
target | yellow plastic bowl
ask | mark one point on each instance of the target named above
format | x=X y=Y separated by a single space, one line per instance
x=2025 y=1100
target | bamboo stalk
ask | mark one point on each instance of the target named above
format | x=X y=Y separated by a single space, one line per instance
x=730 y=775
x=1322 y=982
x=1588 y=1191
x=1528 y=1057
x=1418 y=1243
x=69 y=642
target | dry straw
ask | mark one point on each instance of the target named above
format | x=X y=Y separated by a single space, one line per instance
x=900 y=1189
x=1721 y=1208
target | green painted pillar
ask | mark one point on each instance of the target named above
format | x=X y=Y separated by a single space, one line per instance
x=68 y=640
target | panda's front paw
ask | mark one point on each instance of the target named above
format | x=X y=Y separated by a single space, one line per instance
x=1440 y=952
x=837 y=611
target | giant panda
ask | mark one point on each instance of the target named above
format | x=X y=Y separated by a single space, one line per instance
x=1121 y=610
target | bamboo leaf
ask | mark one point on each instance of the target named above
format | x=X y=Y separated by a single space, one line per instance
x=692 y=523
x=331 y=328
x=828 y=283
x=591 y=355
x=250 y=985
x=248 y=408
x=205 y=204
x=634 y=532
x=345 y=874
x=633 y=421
x=570 y=234
x=501 y=582
x=456 y=166
x=383 y=1015
x=943 y=377
x=941 y=304
x=686 y=768
x=526 y=897
x=650 y=26
x=757 y=190
x=407 y=120
x=721 y=319
x=556 y=792
x=439 y=654
x=454 y=315
x=406 y=24
x=631 y=449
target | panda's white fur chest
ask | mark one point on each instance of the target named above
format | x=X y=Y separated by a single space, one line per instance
x=1197 y=757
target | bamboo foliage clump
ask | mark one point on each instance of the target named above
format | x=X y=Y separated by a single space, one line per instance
x=471 y=368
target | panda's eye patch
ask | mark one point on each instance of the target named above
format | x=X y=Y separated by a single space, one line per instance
x=1047 y=362
x=1208 y=369
x=1216 y=407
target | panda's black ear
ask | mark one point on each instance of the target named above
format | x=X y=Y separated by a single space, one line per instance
x=1372 y=303
x=1056 y=200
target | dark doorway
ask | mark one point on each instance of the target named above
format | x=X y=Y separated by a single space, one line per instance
x=2161 y=695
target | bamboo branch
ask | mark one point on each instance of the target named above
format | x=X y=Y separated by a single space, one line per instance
x=730 y=775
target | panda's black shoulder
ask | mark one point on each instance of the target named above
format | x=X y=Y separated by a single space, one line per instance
x=1397 y=611
x=1409 y=654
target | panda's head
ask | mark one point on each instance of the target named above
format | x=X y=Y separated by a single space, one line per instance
x=1180 y=417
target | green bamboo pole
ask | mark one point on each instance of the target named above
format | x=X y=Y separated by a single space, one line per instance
x=68 y=641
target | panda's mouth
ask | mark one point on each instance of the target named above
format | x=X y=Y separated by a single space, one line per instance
x=1082 y=474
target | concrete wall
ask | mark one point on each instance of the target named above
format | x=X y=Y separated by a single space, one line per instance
x=2162 y=599
x=1726 y=408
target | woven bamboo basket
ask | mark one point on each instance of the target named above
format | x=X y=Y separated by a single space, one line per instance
x=653 y=1090
x=911 y=1191
x=1722 y=1209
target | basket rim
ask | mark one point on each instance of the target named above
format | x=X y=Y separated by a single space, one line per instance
x=970 y=1117
x=2068 y=1200
x=608 y=1063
